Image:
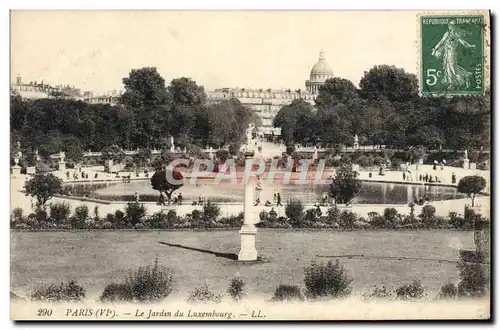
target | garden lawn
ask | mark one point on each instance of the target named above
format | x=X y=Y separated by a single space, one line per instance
x=97 y=258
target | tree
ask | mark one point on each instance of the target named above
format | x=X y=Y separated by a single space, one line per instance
x=146 y=94
x=390 y=83
x=295 y=121
x=144 y=88
x=43 y=187
x=164 y=184
x=345 y=184
x=334 y=91
x=471 y=185
x=185 y=91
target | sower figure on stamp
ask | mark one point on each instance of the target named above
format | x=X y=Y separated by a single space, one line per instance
x=454 y=75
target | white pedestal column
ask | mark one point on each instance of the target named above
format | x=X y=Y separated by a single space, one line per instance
x=16 y=171
x=62 y=166
x=466 y=163
x=248 y=230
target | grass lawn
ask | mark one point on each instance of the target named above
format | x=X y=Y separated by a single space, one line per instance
x=96 y=258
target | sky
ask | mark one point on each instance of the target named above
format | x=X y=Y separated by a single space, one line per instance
x=94 y=50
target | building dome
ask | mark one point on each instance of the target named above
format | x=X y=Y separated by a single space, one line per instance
x=321 y=68
x=320 y=72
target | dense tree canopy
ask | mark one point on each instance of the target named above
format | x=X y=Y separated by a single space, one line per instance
x=148 y=113
x=386 y=109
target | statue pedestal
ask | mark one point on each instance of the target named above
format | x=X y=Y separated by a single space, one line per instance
x=466 y=163
x=248 y=230
x=16 y=171
x=62 y=166
x=248 y=251
x=473 y=166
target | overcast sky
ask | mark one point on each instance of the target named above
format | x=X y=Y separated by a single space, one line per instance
x=95 y=50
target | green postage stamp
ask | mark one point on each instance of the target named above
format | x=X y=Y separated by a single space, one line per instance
x=452 y=54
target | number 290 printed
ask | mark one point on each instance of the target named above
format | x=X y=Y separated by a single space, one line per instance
x=452 y=54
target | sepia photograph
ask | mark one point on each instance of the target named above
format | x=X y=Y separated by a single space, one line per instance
x=254 y=165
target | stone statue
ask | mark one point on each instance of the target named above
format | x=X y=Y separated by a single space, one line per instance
x=172 y=145
x=465 y=153
x=62 y=157
x=356 y=140
x=249 y=133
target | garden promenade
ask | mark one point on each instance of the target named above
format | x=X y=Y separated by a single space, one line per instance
x=18 y=199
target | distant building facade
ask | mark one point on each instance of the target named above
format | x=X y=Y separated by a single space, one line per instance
x=267 y=102
x=108 y=98
x=264 y=102
x=40 y=90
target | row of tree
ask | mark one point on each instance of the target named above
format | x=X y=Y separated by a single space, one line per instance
x=387 y=109
x=148 y=113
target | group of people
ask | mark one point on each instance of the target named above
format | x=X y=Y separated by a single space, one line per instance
x=146 y=173
x=429 y=178
x=276 y=200
x=175 y=199
x=85 y=176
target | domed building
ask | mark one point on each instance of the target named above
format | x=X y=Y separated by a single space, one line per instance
x=320 y=72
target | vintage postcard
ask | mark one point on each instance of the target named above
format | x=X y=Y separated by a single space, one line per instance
x=250 y=165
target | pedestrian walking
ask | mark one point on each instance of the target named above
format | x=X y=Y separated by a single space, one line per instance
x=278 y=200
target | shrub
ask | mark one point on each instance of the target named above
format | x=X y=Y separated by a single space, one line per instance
x=203 y=295
x=448 y=291
x=390 y=217
x=287 y=293
x=428 y=216
x=333 y=215
x=347 y=219
x=59 y=212
x=158 y=221
x=78 y=219
x=378 y=293
x=135 y=212
x=233 y=221
x=236 y=289
x=150 y=283
x=70 y=292
x=412 y=291
x=473 y=277
x=458 y=222
x=328 y=280
x=294 y=211
x=41 y=215
x=17 y=213
x=210 y=214
x=120 y=220
x=116 y=293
